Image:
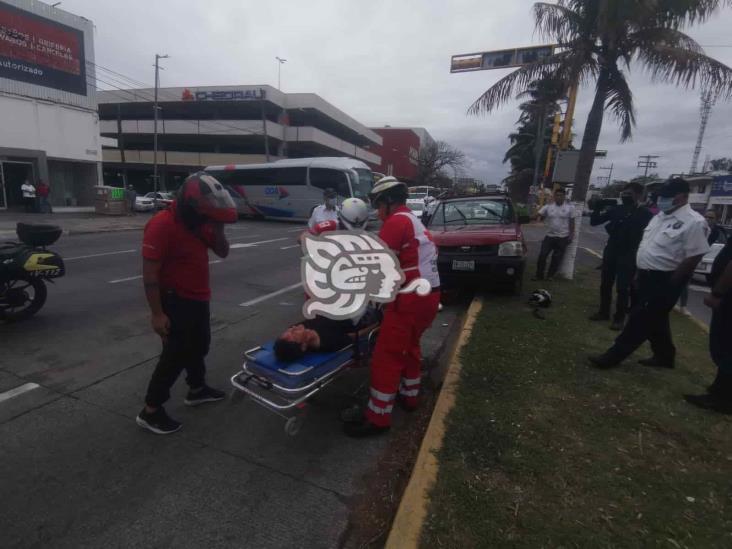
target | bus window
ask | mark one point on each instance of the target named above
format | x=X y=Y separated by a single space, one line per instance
x=291 y=176
x=324 y=178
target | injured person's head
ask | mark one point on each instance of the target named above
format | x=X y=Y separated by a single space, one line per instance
x=318 y=334
x=295 y=342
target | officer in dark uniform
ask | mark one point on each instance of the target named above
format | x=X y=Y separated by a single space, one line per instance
x=719 y=395
x=625 y=225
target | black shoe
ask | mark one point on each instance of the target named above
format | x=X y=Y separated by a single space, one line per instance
x=600 y=316
x=203 y=395
x=604 y=361
x=710 y=402
x=653 y=362
x=363 y=429
x=617 y=325
x=159 y=422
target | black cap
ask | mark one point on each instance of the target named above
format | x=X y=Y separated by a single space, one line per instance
x=674 y=186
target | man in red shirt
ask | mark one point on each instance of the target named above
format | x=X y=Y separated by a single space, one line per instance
x=175 y=273
x=396 y=366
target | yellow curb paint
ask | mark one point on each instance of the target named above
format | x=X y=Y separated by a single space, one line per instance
x=407 y=527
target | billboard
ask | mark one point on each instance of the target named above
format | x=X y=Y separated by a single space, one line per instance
x=721 y=190
x=41 y=51
x=499 y=59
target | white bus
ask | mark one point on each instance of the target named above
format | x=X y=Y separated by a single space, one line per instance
x=290 y=189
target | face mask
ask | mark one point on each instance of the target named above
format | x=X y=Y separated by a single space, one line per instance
x=330 y=202
x=665 y=203
x=627 y=200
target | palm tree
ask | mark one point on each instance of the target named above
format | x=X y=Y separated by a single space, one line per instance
x=597 y=41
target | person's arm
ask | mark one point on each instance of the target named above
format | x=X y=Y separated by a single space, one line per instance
x=600 y=217
x=720 y=289
x=541 y=213
x=151 y=279
x=683 y=272
x=219 y=244
x=695 y=248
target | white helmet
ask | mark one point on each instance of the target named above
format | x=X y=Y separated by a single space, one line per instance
x=540 y=298
x=353 y=214
x=388 y=189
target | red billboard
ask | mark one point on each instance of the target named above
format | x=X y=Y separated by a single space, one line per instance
x=40 y=51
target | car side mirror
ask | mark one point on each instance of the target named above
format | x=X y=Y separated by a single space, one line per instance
x=523 y=219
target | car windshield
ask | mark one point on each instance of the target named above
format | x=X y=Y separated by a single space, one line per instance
x=478 y=211
x=417 y=196
x=362 y=184
x=415 y=206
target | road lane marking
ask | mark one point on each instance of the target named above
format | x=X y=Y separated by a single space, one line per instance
x=117 y=281
x=702 y=289
x=215 y=261
x=244 y=237
x=7 y=395
x=252 y=244
x=101 y=255
x=288 y=247
x=593 y=252
x=270 y=295
x=299 y=229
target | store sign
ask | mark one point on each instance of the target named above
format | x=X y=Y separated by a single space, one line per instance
x=500 y=59
x=40 y=51
x=721 y=192
x=223 y=95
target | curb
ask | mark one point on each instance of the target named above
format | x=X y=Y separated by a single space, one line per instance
x=407 y=526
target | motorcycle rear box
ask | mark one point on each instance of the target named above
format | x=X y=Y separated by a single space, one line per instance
x=37 y=234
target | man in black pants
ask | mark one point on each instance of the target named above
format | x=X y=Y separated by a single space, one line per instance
x=673 y=244
x=175 y=273
x=559 y=217
x=625 y=226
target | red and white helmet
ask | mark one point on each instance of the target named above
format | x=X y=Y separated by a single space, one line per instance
x=203 y=194
x=353 y=214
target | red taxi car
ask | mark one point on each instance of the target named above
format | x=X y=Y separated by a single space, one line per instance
x=479 y=240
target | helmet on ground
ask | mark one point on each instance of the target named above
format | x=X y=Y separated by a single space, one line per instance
x=388 y=190
x=540 y=298
x=354 y=214
x=202 y=196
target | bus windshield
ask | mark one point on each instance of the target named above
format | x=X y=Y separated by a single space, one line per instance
x=361 y=183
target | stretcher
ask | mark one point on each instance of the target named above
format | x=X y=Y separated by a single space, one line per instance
x=284 y=388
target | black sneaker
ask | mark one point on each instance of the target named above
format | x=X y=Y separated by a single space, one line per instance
x=159 y=422
x=203 y=395
x=653 y=362
x=604 y=361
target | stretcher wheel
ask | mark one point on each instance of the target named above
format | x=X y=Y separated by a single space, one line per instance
x=293 y=425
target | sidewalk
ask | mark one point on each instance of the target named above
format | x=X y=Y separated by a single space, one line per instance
x=73 y=223
x=542 y=450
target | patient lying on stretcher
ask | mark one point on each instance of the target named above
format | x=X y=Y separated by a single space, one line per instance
x=320 y=334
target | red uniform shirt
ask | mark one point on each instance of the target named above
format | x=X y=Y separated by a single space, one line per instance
x=183 y=254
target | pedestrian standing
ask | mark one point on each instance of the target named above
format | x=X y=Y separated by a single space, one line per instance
x=29 y=196
x=176 y=277
x=43 y=190
x=719 y=394
x=673 y=243
x=559 y=218
x=625 y=225
x=131 y=196
x=327 y=211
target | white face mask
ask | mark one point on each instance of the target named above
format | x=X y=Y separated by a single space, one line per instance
x=665 y=203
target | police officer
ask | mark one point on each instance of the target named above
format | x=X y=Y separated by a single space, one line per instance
x=327 y=211
x=673 y=243
x=625 y=225
x=719 y=395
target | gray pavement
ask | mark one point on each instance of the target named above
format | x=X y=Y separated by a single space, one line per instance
x=73 y=223
x=77 y=472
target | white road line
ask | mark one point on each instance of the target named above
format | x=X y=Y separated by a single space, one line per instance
x=215 y=261
x=244 y=237
x=125 y=279
x=252 y=244
x=270 y=295
x=101 y=255
x=702 y=289
x=299 y=229
x=593 y=252
x=288 y=247
x=7 y=395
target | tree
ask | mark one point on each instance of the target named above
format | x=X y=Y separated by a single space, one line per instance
x=721 y=165
x=433 y=159
x=598 y=41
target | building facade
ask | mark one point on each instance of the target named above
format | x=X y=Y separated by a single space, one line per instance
x=216 y=125
x=399 y=151
x=50 y=126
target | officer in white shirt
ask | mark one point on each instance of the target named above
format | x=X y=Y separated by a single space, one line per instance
x=673 y=243
x=328 y=211
x=559 y=218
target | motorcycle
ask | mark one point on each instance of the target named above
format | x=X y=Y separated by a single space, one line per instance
x=24 y=268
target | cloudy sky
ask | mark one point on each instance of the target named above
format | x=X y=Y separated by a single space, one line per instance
x=387 y=62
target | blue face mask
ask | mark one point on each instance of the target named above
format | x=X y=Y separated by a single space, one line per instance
x=665 y=203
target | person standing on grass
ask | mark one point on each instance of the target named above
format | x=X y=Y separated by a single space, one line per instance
x=29 y=196
x=719 y=395
x=559 y=217
x=176 y=277
x=673 y=243
x=625 y=226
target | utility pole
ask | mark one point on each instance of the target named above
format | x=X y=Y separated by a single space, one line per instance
x=158 y=57
x=610 y=173
x=279 y=71
x=707 y=102
x=647 y=162
x=538 y=146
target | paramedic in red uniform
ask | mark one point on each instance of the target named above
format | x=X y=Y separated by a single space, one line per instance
x=396 y=366
x=175 y=273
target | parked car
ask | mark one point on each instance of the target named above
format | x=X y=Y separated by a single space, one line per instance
x=479 y=239
x=143 y=204
x=704 y=268
x=164 y=200
x=415 y=202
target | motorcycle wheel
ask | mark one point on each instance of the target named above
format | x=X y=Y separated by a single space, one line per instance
x=22 y=298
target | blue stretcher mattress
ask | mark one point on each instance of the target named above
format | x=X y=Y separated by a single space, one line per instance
x=293 y=375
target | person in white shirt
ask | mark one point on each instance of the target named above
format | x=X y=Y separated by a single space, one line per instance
x=328 y=211
x=29 y=196
x=559 y=218
x=673 y=243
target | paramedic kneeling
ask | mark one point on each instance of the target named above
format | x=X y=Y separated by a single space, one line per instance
x=175 y=273
x=396 y=366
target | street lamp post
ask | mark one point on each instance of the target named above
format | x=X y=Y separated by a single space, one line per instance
x=158 y=57
x=279 y=71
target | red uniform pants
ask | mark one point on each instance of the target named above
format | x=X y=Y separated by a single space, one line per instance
x=397 y=362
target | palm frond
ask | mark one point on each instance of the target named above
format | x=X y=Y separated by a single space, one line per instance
x=652 y=36
x=680 y=13
x=619 y=101
x=556 y=22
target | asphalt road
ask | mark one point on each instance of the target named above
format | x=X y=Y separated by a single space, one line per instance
x=77 y=472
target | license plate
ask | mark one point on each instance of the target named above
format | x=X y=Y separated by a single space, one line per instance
x=458 y=265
